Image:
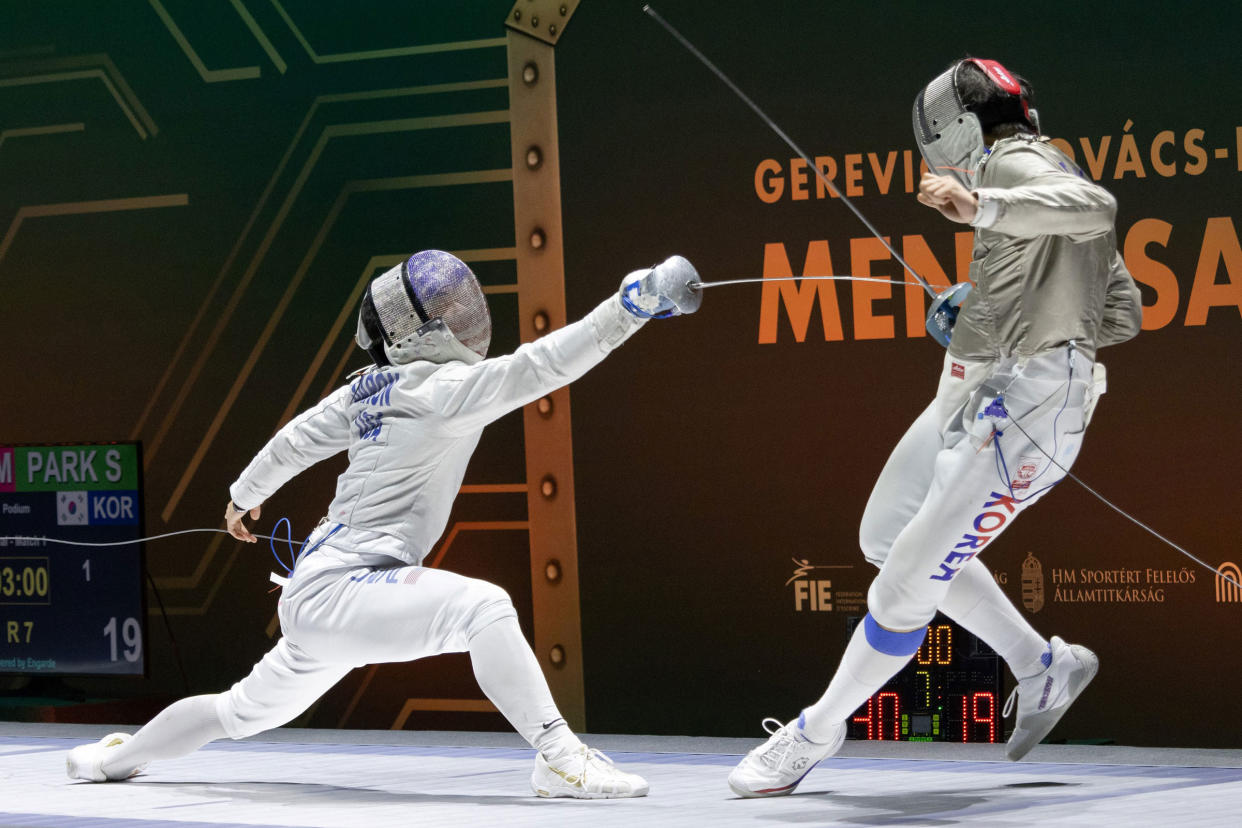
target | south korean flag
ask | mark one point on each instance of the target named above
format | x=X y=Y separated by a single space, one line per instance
x=71 y=508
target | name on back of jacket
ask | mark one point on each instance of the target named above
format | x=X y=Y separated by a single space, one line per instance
x=374 y=389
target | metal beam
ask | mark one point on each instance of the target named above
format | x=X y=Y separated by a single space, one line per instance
x=541 y=308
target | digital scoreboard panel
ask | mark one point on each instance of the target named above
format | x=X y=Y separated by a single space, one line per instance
x=71 y=610
x=949 y=692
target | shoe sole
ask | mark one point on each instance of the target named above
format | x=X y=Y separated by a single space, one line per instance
x=574 y=793
x=1021 y=742
x=746 y=793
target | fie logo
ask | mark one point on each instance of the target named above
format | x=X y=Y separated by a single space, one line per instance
x=815 y=595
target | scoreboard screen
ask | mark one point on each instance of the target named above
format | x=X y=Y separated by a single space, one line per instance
x=949 y=692
x=65 y=609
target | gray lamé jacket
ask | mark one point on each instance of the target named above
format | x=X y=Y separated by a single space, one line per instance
x=1045 y=266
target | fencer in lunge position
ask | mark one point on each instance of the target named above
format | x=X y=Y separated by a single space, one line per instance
x=358 y=594
x=1016 y=392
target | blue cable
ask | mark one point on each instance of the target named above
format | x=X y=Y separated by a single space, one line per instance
x=294 y=553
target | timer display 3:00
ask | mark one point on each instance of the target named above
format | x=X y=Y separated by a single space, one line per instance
x=25 y=581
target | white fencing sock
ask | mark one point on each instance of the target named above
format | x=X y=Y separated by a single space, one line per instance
x=509 y=675
x=873 y=656
x=977 y=602
x=182 y=727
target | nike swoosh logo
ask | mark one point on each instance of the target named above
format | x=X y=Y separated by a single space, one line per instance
x=547 y=725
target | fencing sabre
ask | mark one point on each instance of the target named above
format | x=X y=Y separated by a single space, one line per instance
x=697 y=284
x=654 y=15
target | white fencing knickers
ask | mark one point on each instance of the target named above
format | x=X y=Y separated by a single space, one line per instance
x=342 y=609
x=972 y=461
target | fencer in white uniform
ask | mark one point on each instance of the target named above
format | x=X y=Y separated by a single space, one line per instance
x=359 y=593
x=1018 y=386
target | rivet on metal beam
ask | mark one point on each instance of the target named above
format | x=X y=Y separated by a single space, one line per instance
x=547 y=488
x=537 y=239
x=552 y=571
x=534 y=158
x=541 y=321
x=552 y=28
x=544 y=406
x=534 y=22
x=530 y=74
x=557 y=655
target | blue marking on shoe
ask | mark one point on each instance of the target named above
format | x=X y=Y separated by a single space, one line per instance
x=1046 y=658
x=1043 y=699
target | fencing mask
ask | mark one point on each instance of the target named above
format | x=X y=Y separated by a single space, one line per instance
x=428 y=307
x=949 y=132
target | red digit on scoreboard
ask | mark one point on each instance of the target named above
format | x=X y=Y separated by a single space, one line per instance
x=883 y=714
x=990 y=718
x=972 y=715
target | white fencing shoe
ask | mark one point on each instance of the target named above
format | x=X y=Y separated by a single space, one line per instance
x=584 y=774
x=777 y=766
x=86 y=761
x=1043 y=698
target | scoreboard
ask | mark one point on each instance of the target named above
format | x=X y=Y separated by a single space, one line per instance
x=949 y=692
x=66 y=609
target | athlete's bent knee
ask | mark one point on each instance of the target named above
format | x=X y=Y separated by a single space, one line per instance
x=895 y=607
x=489 y=603
x=875 y=549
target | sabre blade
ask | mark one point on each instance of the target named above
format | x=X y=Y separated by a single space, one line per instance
x=699 y=285
x=654 y=15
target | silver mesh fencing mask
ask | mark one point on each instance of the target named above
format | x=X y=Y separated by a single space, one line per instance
x=428 y=307
x=949 y=137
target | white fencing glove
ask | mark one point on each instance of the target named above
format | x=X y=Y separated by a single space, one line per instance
x=668 y=289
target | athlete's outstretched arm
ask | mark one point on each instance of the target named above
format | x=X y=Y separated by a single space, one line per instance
x=314 y=435
x=469 y=397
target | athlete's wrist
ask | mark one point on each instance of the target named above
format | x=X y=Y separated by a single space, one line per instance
x=987 y=211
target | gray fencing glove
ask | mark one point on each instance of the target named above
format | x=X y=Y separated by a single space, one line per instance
x=662 y=291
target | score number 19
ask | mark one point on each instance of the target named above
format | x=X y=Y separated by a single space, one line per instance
x=131 y=637
x=131 y=632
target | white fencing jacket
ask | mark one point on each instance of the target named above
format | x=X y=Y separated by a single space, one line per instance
x=411 y=429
